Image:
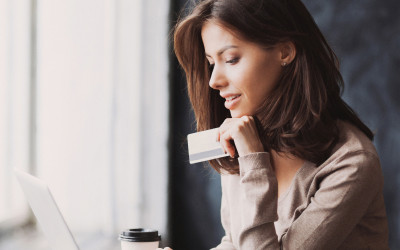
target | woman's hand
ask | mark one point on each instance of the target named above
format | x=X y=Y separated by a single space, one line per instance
x=243 y=132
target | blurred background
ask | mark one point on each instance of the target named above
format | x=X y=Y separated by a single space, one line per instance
x=94 y=103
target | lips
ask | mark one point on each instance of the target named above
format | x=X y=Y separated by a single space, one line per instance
x=230 y=98
x=231 y=101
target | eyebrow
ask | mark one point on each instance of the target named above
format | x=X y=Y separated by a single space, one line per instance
x=223 y=49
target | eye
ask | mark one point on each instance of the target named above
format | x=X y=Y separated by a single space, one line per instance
x=233 y=61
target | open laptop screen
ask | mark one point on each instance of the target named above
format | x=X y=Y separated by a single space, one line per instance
x=47 y=212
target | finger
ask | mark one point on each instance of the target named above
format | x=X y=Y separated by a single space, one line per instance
x=224 y=126
x=227 y=123
x=244 y=118
x=222 y=142
x=227 y=143
x=226 y=131
x=250 y=120
x=232 y=126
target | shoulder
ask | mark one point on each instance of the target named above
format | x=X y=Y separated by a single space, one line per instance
x=353 y=157
x=352 y=142
x=352 y=139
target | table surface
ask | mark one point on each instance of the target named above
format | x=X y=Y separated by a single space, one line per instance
x=35 y=240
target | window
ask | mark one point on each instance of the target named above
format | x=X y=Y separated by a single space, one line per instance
x=15 y=123
x=85 y=108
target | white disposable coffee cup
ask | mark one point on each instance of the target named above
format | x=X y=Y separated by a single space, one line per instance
x=139 y=239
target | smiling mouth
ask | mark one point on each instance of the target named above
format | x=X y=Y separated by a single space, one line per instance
x=232 y=101
x=231 y=98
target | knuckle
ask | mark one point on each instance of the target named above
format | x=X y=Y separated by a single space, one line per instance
x=241 y=124
x=225 y=136
x=237 y=129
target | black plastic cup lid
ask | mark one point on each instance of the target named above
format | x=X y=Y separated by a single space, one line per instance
x=140 y=235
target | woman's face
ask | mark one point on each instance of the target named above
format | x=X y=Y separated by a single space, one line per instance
x=243 y=72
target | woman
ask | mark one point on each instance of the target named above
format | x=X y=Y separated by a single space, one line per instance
x=303 y=172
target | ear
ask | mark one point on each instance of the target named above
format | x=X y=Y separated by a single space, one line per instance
x=287 y=52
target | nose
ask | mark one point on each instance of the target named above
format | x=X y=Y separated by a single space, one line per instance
x=218 y=79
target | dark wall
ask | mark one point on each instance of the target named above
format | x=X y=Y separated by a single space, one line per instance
x=195 y=190
x=366 y=37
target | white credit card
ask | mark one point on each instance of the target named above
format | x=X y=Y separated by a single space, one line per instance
x=203 y=146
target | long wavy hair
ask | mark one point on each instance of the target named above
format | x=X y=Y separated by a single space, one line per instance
x=300 y=116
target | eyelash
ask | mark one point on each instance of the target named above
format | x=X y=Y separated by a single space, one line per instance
x=233 y=61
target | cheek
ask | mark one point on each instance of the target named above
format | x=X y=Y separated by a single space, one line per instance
x=263 y=81
x=269 y=75
x=254 y=80
x=239 y=77
x=246 y=73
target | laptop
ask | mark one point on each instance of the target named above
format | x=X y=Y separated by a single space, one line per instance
x=47 y=212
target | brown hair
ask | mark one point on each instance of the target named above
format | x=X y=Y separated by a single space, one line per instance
x=299 y=116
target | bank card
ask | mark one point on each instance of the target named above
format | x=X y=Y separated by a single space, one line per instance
x=203 y=146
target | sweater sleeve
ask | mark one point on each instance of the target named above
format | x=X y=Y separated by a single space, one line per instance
x=226 y=242
x=258 y=201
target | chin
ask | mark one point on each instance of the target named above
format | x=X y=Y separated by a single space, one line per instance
x=236 y=114
x=241 y=113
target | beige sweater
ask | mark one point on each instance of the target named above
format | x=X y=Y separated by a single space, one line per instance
x=337 y=205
